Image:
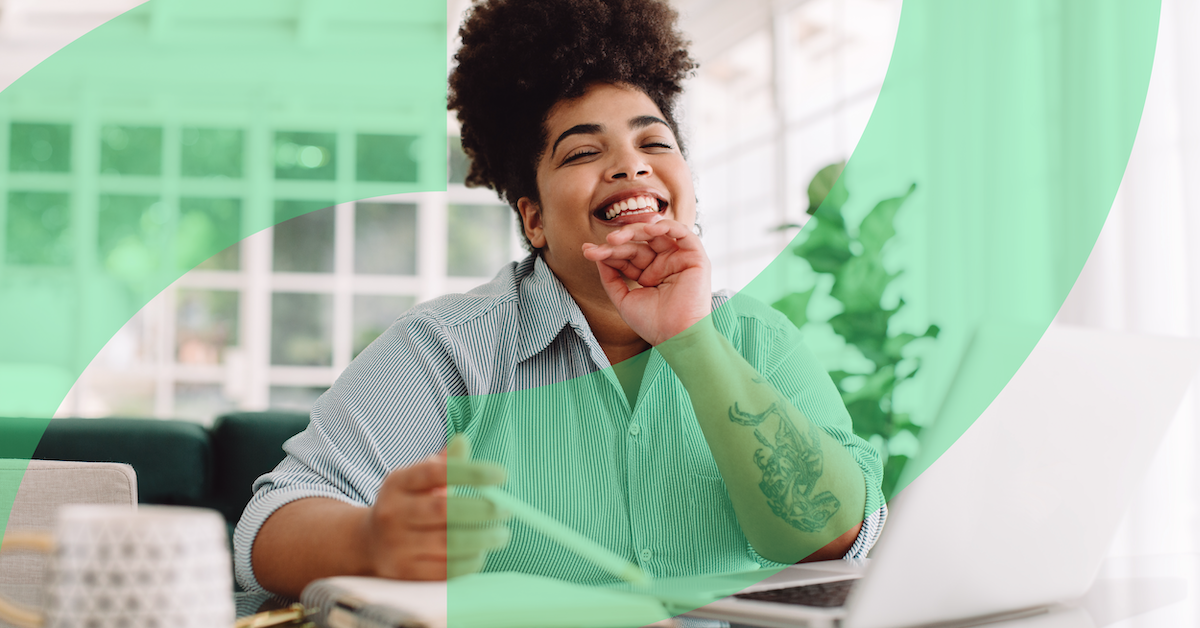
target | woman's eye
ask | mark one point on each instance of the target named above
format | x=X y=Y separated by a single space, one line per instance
x=658 y=145
x=578 y=155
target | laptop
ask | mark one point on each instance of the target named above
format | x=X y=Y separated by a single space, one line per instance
x=1016 y=517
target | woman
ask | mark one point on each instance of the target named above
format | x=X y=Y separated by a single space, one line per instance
x=724 y=448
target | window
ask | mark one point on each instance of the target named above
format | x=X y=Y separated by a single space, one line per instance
x=269 y=321
x=772 y=108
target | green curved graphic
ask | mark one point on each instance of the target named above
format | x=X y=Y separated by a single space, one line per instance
x=1014 y=119
x=161 y=138
x=997 y=143
x=168 y=131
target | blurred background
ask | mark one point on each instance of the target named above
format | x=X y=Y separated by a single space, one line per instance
x=272 y=321
x=785 y=88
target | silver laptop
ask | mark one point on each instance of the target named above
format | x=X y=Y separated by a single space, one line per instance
x=1017 y=516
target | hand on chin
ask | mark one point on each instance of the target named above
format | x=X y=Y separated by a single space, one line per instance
x=657 y=275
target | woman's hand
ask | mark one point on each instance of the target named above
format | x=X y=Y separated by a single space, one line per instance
x=418 y=530
x=670 y=273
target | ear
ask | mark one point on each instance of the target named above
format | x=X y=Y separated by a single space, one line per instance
x=531 y=220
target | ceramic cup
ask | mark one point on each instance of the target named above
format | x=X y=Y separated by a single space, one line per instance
x=118 y=567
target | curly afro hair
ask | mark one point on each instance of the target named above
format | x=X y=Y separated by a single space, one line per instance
x=520 y=57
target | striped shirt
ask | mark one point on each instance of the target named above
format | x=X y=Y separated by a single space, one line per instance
x=513 y=364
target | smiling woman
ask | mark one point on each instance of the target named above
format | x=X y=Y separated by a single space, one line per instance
x=600 y=377
x=614 y=157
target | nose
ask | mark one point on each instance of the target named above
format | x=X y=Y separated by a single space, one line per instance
x=629 y=163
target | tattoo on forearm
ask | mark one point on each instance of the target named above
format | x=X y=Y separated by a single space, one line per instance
x=791 y=464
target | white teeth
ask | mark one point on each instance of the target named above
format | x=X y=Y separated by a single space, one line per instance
x=632 y=206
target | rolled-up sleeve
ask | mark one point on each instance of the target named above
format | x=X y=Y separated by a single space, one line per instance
x=387 y=410
x=773 y=344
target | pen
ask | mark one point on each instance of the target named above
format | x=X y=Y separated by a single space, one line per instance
x=576 y=542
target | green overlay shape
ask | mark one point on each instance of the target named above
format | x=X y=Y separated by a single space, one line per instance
x=1014 y=118
x=166 y=134
x=1015 y=121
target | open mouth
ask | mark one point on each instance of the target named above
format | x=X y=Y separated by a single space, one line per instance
x=632 y=206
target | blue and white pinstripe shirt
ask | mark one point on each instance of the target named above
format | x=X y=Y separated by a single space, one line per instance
x=514 y=365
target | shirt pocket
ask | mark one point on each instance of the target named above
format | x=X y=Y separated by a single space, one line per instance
x=718 y=544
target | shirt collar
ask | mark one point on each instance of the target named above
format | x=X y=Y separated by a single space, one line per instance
x=546 y=307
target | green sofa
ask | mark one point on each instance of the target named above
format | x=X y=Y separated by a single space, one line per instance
x=179 y=462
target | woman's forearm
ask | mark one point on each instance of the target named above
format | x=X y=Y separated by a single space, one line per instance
x=308 y=539
x=796 y=491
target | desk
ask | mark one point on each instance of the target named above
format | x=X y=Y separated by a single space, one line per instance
x=1135 y=592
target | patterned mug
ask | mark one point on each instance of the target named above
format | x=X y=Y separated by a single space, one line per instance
x=114 y=566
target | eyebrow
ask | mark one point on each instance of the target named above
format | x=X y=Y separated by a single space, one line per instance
x=639 y=122
x=642 y=122
x=578 y=129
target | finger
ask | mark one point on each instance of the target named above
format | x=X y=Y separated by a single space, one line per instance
x=420 y=477
x=644 y=232
x=425 y=512
x=464 y=566
x=624 y=267
x=614 y=284
x=639 y=254
x=464 y=542
x=474 y=473
x=628 y=258
x=595 y=252
x=427 y=543
x=462 y=510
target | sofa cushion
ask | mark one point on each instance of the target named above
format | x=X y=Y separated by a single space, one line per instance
x=245 y=446
x=172 y=458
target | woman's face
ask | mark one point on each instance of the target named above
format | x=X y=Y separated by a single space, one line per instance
x=610 y=160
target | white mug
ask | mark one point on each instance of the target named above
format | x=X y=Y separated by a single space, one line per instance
x=114 y=566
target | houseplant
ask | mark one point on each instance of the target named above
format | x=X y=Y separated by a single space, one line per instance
x=854 y=258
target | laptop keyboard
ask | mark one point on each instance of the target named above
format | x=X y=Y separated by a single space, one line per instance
x=824 y=595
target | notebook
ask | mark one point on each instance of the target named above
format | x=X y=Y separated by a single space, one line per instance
x=492 y=600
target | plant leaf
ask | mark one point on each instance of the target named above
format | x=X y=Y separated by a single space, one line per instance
x=865 y=330
x=868 y=418
x=879 y=226
x=827 y=188
x=860 y=283
x=878 y=385
x=827 y=247
x=795 y=306
x=894 y=345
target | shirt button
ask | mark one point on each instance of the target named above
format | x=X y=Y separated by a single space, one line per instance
x=634 y=430
x=646 y=555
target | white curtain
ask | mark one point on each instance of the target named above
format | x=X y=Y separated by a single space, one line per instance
x=1144 y=274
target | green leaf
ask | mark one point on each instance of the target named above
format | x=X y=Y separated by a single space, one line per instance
x=827 y=247
x=903 y=421
x=828 y=188
x=860 y=283
x=879 y=226
x=894 y=345
x=878 y=385
x=839 y=375
x=795 y=306
x=868 y=418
